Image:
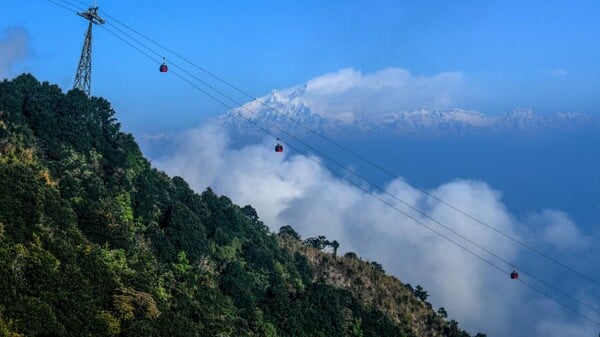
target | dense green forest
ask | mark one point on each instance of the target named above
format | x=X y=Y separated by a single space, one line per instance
x=96 y=242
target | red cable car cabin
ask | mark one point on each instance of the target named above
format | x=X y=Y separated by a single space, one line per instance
x=163 y=68
x=278 y=148
x=514 y=275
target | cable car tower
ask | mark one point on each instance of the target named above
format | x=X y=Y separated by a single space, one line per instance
x=83 y=78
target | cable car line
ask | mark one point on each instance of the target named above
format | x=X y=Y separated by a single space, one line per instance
x=86 y=5
x=559 y=302
x=376 y=186
x=352 y=152
x=371 y=193
x=63 y=6
x=341 y=166
x=391 y=205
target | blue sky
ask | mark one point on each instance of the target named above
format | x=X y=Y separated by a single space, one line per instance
x=538 y=54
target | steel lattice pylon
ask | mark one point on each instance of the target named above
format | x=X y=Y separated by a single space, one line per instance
x=83 y=78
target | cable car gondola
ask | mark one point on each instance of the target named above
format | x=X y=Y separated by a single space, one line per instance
x=514 y=275
x=163 y=67
x=278 y=147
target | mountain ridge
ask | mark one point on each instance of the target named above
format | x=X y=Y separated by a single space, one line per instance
x=291 y=110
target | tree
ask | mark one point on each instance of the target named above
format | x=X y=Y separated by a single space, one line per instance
x=7 y=329
x=288 y=232
x=421 y=293
x=377 y=266
x=318 y=242
x=442 y=312
x=335 y=245
x=355 y=329
x=250 y=213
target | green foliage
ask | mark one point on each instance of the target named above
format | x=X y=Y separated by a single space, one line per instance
x=355 y=328
x=318 y=242
x=421 y=293
x=7 y=328
x=95 y=242
x=377 y=267
x=452 y=330
x=289 y=232
x=442 y=312
x=109 y=324
x=335 y=245
x=183 y=264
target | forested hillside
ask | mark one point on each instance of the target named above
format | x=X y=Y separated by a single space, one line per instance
x=96 y=242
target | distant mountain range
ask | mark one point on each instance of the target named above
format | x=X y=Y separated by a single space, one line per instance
x=291 y=110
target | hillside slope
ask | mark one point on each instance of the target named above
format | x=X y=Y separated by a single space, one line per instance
x=96 y=242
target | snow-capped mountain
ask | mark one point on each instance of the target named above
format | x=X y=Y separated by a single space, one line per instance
x=295 y=110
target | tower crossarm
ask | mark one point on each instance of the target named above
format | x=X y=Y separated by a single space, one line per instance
x=92 y=15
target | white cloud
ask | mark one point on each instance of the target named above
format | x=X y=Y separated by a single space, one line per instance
x=365 y=96
x=296 y=190
x=14 y=46
x=558 y=229
x=562 y=327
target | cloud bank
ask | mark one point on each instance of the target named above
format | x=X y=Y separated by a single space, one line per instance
x=14 y=46
x=296 y=190
x=348 y=93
